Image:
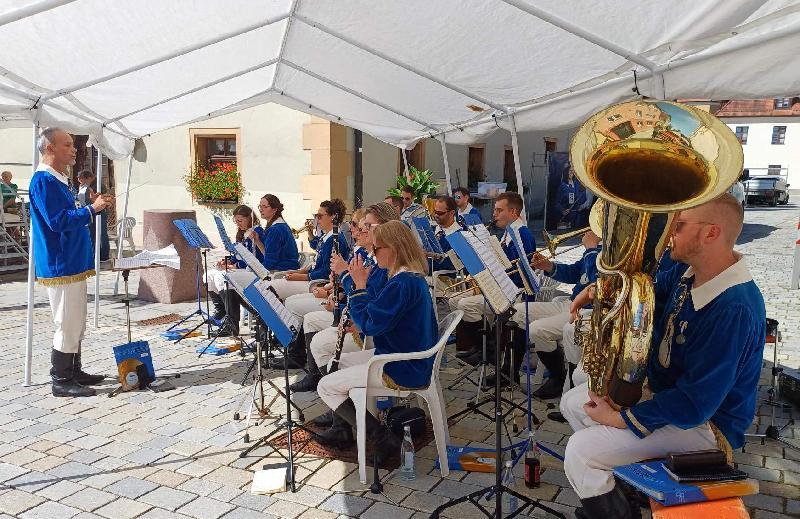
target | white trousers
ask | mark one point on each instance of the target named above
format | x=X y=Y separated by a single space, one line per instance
x=215 y=279
x=317 y=321
x=323 y=345
x=333 y=389
x=302 y=304
x=68 y=306
x=286 y=288
x=594 y=449
x=472 y=306
x=547 y=320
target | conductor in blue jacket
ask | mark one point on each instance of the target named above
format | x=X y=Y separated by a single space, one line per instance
x=703 y=368
x=400 y=320
x=63 y=258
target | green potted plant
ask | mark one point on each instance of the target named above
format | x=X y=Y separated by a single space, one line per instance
x=215 y=183
x=421 y=181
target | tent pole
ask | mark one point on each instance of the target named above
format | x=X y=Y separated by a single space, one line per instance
x=124 y=215
x=98 y=224
x=30 y=10
x=517 y=167
x=446 y=165
x=406 y=171
x=658 y=84
x=31 y=273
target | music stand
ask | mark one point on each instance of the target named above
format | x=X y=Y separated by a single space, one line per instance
x=198 y=241
x=500 y=293
x=284 y=326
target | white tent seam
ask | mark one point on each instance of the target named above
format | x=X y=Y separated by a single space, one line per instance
x=285 y=37
x=309 y=105
x=30 y=10
x=195 y=89
x=378 y=54
x=582 y=33
x=356 y=94
x=155 y=61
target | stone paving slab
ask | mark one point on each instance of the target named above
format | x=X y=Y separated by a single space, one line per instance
x=176 y=454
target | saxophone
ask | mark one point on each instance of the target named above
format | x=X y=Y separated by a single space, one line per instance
x=645 y=160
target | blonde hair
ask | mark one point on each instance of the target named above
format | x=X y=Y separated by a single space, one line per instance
x=358 y=214
x=396 y=236
x=383 y=212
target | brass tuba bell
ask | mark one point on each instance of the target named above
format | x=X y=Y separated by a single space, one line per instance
x=645 y=160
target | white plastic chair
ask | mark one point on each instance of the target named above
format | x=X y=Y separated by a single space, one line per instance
x=125 y=232
x=432 y=394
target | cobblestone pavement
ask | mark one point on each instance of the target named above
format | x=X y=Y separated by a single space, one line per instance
x=176 y=454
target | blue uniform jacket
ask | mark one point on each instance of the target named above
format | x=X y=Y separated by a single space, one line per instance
x=322 y=266
x=248 y=244
x=375 y=282
x=61 y=239
x=563 y=197
x=400 y=320
x=280 y=248
x=713 y=376
x=580 y=273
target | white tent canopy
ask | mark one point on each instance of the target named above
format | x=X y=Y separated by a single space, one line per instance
x=400 y=71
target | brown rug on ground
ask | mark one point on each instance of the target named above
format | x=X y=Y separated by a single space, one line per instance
x=302 y=441
x=161 y=319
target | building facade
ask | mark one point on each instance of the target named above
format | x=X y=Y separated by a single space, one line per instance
x=769 y=130
x=301 y=159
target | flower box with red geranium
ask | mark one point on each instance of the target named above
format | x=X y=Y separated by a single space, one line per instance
x=215 y=183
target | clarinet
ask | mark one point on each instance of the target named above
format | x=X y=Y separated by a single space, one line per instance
x=341 y=330
x=337 y=313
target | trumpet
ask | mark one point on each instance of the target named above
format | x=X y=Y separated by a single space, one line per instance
x=308 y=227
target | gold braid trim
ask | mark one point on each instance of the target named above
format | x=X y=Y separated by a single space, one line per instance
x=65 y=280
x=722 y=442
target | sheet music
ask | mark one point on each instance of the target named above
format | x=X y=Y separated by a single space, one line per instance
x=486 y=237
x=240 y=279
x=252 y=262
x=288 y=318
x=455 y=260
x=422 y=226
x=223 y=235
x=168 y=256
x=495 y=269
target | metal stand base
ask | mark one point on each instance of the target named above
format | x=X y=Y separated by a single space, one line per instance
x=498 y=489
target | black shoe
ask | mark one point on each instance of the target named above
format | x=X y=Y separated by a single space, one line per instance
x=324 y=420
x=612 y=504
x=309 y=383
x=570 y=370
x=62 y=372
x=385 y=443
x=504 y=382
x=83 y=378
x=552 y=388
x=554 y=362
x=556 y=416
x=281 y=363
x=339 y=436
x=467 y=353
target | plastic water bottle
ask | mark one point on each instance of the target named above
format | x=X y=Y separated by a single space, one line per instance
x=407 y=466
x=510 y=503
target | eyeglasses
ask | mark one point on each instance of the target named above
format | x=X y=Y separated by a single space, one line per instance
x=440 y=213
x=458 y=197
x=407 y=199
x=369 y=226
x=680 y=223
x=319 y=215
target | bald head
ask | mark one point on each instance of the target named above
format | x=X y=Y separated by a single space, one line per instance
x=726 y=212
